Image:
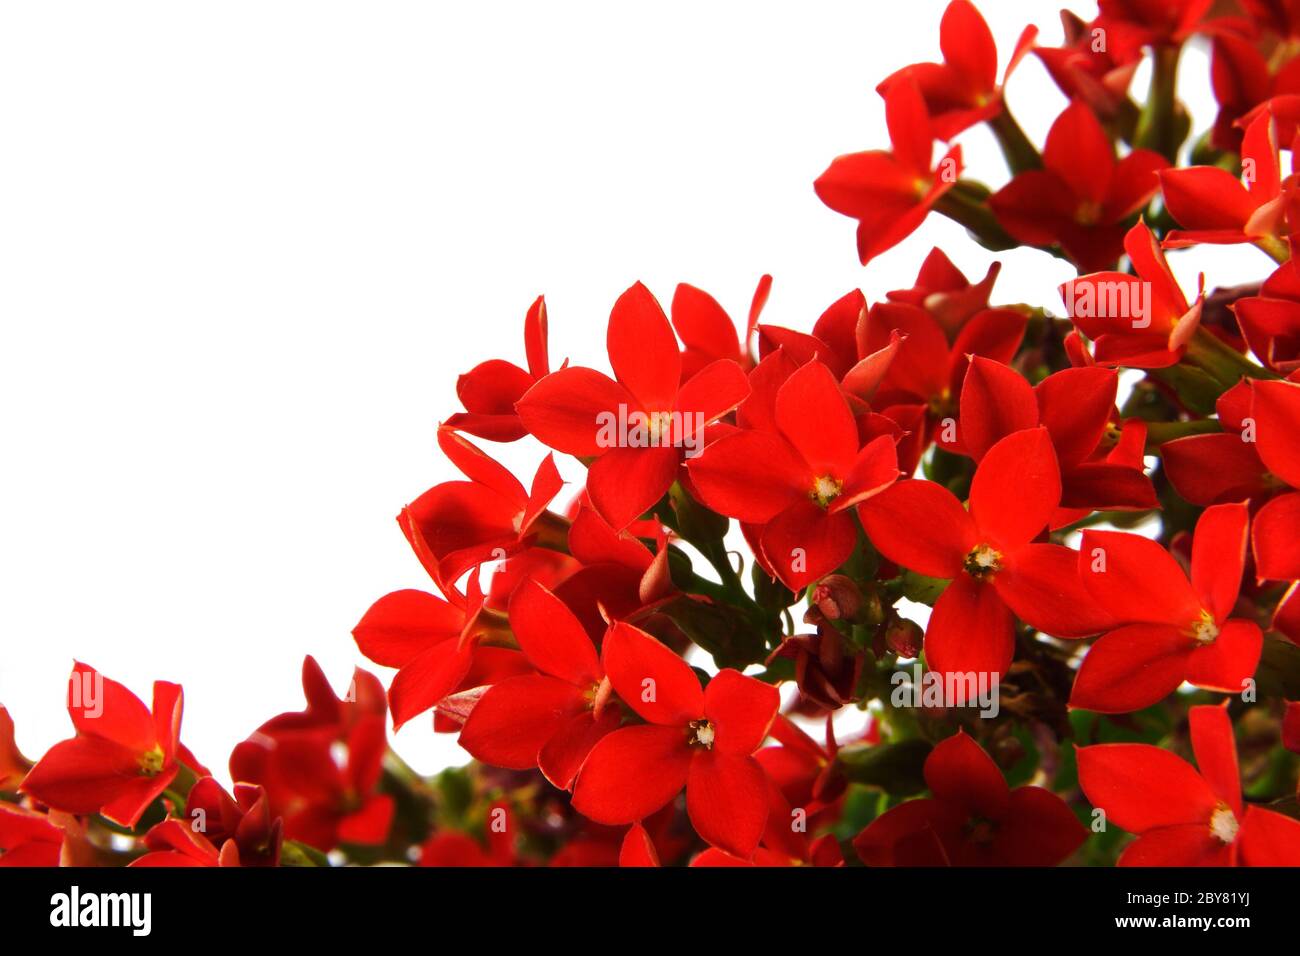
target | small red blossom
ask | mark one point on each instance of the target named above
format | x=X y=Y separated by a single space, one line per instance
x=1141 y=321
x=798 y=483
x=963 y=90
x=1173 y=629
x=998 y=571
x=971 y=818
x=124 y=755
x=1182 y=816
x=1082 y=196
x=702 y=740
x=579 y=411
x=890 y=192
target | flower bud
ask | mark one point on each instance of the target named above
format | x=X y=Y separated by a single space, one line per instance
x=904 y=637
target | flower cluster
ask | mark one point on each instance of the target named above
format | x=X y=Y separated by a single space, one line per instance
x=937 y=582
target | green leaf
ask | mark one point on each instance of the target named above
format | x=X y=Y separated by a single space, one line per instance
x=895 y=768
x=296 y=853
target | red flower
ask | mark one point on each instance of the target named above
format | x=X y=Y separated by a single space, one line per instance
x=1270 y=321
x=703 y=740
x=1220 y=466
x=1090 y=71
x=1133 y=24
x=942 y=290
x=962 y=90
x=1173 y=629
x=1076 y=406
x=323 y=803
x=800 y=480
x=890 y=192
x=490 y=389
x=217 y=830
x=998 y=573
x=551 y=719
x=123 y=756
x=583 y=413
x=1139 y=322
x=1213 y=206
x=465 y=523
x=1082 y=195
x=972 y=818
x=706 y=330
x=453 y=848
x=438 y=647
x=1183 y=817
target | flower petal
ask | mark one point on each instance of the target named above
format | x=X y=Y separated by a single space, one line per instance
x=632 y=773
x=726 y=799
x=643 y=350
x=1135 y=579
x=935 y=547
x=970 y=631
x=742 y=709
x=1015 y=489
x=650 y=678
x=1141 y=787
x=1131 y=668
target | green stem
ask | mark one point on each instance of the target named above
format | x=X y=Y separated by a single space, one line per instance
x=1018 y=150
x=1221 y=361
x=962 y=206
x=1157 y=127
x=1160 y=432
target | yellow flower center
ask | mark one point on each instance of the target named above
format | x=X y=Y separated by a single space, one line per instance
x=982 y=562
x=702 y=734
x=1204 y=630
x=825 y=489
x=1223 y=825
x=151 y=762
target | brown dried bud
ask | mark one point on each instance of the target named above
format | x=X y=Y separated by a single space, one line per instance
x=904 y=637
x=837 y=597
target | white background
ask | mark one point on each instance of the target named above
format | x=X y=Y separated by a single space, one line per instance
x=245 y=248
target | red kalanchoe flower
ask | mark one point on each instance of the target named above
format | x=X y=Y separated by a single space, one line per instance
x=890 y=192
x=962 y=90
x=438 y=647
x=1081 y=197
x=944 y=292
x=123 y=756
x=1076 y=406
x=800 y=481
x=217 y=830
x=1131 y=25
x=1214 y=206
x=489 y=517
x=323 y=802
x=1270 y=321
x=490 y=389
x=1220 y=466
x=1088 y=70
x=638 y=427
x=1140 y=321
x=553 y=718
x=707 y=332
x=1174 y=629
x=703 y=740
x=972 y=818
x=998 y=571
x=1183 y=817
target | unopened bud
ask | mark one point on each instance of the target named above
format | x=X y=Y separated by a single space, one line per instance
x=904 y=637
x=837 y=597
